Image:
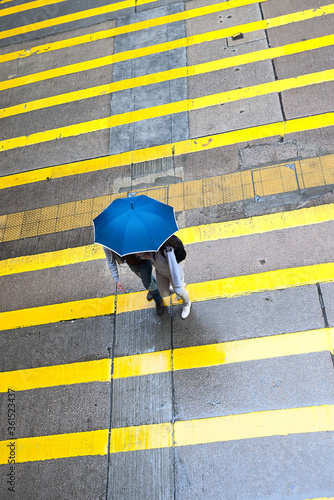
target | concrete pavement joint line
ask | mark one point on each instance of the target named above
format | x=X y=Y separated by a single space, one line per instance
x=190 y=235
x=187 y=358
x=209 y=290
x=254 y=425
x=164 y=47
x=169 y=109
x=50 y=376
x=188 y=71
x=100 y=35
x=28 y=6
x=68 y=18
x=174 y=149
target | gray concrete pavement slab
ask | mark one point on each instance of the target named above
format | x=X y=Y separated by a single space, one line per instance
x=304 y=63
x=68 y=478
x=276 y=468
x=270 y=384
x=234 y=115
x=208 y=163
x=143 y=331
x=141 y=475
x=327 y=290
x=60 y=410
x=273 y=8
x=142 y=400
x=250 y=316
x=57 y=343
x=305 y=102
x=297 y=32
x=313 y=142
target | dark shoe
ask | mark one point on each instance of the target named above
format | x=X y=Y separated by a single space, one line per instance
x=149 y=296
x=160 y=307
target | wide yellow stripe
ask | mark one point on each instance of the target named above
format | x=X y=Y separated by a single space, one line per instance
x=167 y=109
x=141 y=437
x=50 y=376
x=163 y=47
x=169 y=150
x=186 y=71
x=57 y=312
x=165 y=435
x=289 y=344
x=210 y=290
x=27 y=6
x=194 y=234
x=255 y=425
x=130 y=28
x=79 y=444
x=97 y=11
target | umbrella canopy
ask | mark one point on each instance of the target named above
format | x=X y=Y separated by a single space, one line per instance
x=134 y=225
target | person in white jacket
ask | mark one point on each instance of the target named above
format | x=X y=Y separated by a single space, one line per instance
x=169 y=273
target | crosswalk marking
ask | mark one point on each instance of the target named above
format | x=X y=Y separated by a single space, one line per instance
x=280 y=422
x=68 y=18
x=187 y=358
x=190 y=235
x=186 y=71
x=198 y=292
x=28 y=6
x=50 y=376
x=163 y=47
x=168 y=150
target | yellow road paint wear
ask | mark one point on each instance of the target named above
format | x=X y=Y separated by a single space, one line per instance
x=51 y=376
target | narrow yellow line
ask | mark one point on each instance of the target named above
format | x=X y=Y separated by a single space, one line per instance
x=186 y=433
x=255 y=425
x=28 y=6
x=275 y=346
x=54 y=313
x=167 y=109
x=169 y=150
x=210 y=290
x=163 y=47
x=195 y=234
x=33 y=449
x=100 y=35
x=51 y=376
x=97 y=11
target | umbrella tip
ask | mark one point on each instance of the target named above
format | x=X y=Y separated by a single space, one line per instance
x=131 y=205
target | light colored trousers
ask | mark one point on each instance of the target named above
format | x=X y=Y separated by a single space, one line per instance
x=165 y=281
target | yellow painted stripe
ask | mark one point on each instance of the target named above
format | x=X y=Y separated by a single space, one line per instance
x=167 y=109
x=255 y=425
x=239 y=285
x=190 y=235
x=57 y=312
x=239 y=351
x=50 y=376
x=97 y=11
x=79 y=444
x=165 y=435
x=187 y=71
x=210 y=290
x=169 y=150
x=163 y=47
x=27 y=6
x=130 y=28
x=289 y=344
x=222 y=429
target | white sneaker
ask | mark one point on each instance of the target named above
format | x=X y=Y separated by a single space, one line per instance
x=186 y=311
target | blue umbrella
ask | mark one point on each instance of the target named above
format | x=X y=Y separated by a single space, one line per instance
x=134 y=225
